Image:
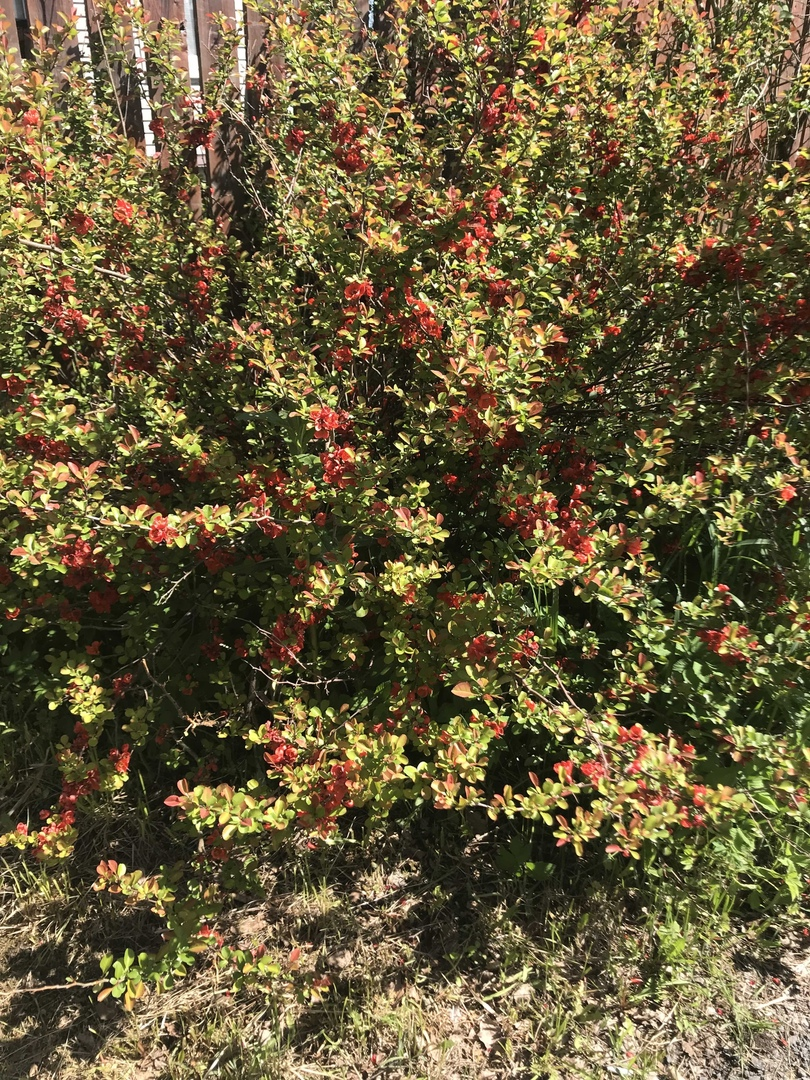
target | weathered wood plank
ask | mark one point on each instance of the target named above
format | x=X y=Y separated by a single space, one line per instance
x=9 y=39
x=208 y=34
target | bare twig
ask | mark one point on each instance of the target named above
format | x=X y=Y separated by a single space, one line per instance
x=55 y=986
x=180 y=711
x=588 y=726
x=774 y=1001
x=61 y=251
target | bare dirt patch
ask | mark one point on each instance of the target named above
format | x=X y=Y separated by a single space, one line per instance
x=438 y=967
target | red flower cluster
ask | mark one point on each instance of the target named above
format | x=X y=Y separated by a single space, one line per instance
x=120 y=758
x=529 y=513
x=61 y=315
x=73 y=790
x=84 y=564
x=280 y=753
x=295 y=140
x=43 y=448
x=500 y=105
x=482 y=650
x=497 y=291
x=358 y=290
x=338 y=467
x=348 y=152
x=81 y=223
x=329 y=421
x=103 y=600
x=122 y=683
x=161 y=532
x=123 y=211
x=286 y=640
x=726 y=642
x=58 y=824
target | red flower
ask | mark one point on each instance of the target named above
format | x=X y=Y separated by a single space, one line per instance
x=573 y=539
x=356 y=290
x=280 y=752
x=345 y=133
x=788 y=492
x=84 y=564
x=102 y=600
x=286 y=640
x=81 y=223
x=338 y=467
x=594 y=770
x=482 y=649
x=31 y=118
x=11 y=385
x=120 y=758
x=81 y=737
x=350 y=160
x=327 y=420
x=161 y=532
x=496 y=293
x=528 y=646
x=295 y=140
x=122 y=684
x=633 y=734
x=123 y=212
x=564 y=771
x=72 y=790
x=725 y=643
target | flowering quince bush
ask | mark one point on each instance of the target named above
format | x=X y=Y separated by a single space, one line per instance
x=469 y=468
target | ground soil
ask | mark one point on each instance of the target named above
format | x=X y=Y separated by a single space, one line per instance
x=777 y=990
x=438 y=970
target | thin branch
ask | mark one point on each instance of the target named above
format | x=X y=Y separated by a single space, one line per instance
x=180 y=711
x=61 y=251
x=55 y=986
x=774 y=1001
x=586 y=718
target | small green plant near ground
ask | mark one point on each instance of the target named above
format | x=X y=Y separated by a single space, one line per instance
x=468 y=470
x=438 y=965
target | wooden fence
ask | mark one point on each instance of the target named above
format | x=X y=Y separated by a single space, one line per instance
x=199 y=43
x=193 y=16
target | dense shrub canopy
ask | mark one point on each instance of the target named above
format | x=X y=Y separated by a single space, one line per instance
x=468 y=467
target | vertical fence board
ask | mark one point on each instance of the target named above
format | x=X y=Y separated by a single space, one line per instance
x=207 y=32
x=9 y=40
x=199 y=42
x=800 y=41
x=255 y=29
x=158 y=10
x=219 y=154
x=49 y=11
x=54 y=14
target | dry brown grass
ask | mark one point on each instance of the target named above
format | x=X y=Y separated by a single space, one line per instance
x=441 y=968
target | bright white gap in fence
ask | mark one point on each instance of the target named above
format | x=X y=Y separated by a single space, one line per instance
x=139 y=55
x=194 y=68
x=23 y=22
x=241 y=48
x=83 y=39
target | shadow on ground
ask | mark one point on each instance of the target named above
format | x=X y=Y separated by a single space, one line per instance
x=439 y=967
